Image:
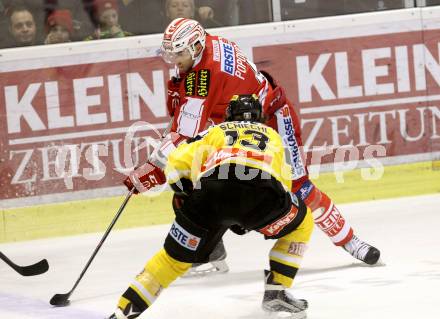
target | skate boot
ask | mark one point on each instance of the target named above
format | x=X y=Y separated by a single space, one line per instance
x=278 y=301
x=362 y=251
x=127 y=313
x=216 y=264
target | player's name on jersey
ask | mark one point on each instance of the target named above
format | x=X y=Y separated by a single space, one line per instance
x=237 y=125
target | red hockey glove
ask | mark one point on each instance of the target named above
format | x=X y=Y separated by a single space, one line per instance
x=173 y=98
x=144 y=178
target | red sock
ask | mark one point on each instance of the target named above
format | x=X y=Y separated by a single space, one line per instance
x=328 y=218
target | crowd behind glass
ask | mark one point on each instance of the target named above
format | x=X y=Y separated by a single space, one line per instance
x=34 y=22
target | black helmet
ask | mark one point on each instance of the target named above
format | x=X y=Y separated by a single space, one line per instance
x=244 y=107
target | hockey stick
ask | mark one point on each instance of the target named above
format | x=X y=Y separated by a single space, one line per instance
x=62 y=300
x=32 y=270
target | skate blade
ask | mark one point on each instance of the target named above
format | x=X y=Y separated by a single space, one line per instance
x=287 y=315
x=208 y=269
x=379 y=263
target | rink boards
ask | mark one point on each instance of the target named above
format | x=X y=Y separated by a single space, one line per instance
x=366 y=87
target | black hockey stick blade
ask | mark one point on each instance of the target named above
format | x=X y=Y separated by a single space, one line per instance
x=60 y=300
x=32 y=270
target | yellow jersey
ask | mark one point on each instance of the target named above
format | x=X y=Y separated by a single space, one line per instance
x=245 y=143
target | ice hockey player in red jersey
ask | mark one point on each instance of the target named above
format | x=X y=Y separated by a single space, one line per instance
x=211 y=69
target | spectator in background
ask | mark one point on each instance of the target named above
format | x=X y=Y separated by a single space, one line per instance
x=291 y=10
x=21 y=26
x=3 y=25
x=141 y=16
x=221 y=12
x=106 y=13
x=206 y=12
x=59 y=27
x=42 y=9
x=187 y=9
x=254 y=11
x=81 y=22
x=36 y=7
x=179 y=9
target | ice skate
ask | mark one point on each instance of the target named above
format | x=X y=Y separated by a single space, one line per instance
x=278 y=302
x=216 y=265
x=362 y=251
x=128 y=313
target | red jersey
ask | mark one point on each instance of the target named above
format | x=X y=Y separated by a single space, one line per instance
x=205 y=91
x=221 y=72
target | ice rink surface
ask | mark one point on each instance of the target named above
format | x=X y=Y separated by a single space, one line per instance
x=406 y=230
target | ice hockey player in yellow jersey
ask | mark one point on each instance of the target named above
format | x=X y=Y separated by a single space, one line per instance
x=232 y=176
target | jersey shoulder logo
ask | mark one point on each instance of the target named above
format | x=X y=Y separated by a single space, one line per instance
x=227 y=60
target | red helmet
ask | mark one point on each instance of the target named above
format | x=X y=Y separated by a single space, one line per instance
x=182 y=34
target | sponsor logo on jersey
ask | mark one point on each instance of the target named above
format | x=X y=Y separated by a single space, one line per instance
x=216 y=50
x=229 y=153
x=297 y=249
x=242 y=62
x=287 y=131
x=190 y=115
x=197 y=83
x=190 y=84
x=278 y=225
x=183 y=237
x=305 y=190
x=203 y=80
x=227 y=58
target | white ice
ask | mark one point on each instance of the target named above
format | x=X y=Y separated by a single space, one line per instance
x=406 y=231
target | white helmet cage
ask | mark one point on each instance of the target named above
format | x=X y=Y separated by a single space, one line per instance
x=182 y=34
